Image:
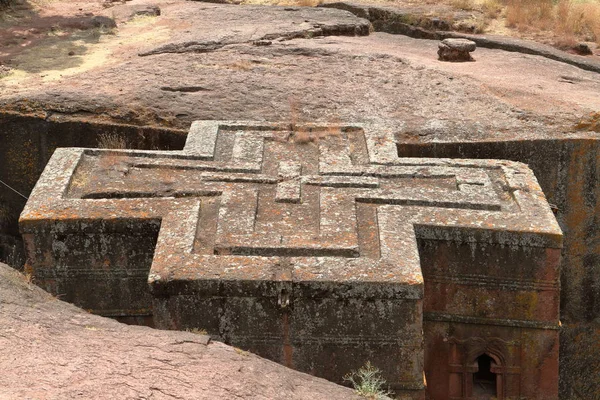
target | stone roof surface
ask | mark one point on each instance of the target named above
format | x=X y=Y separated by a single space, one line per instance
x=242 y=197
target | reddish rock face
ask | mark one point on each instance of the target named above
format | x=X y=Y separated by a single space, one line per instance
x=120 y=361
x=309 y=247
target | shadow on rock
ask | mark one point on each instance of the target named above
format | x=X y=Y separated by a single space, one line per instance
x=34 y=44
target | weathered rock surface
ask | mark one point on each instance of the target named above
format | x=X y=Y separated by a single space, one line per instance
x=311 y=79
x=583 y=49
x=229 y=25
x=460 y=44
x=418 y=23
x=52 y=350
x=526 y=113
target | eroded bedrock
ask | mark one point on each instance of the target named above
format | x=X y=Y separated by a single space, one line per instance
x=317 y=247
x=52 y=350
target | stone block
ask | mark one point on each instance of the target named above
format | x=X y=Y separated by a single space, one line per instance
x=313 y=254
x=456 y=49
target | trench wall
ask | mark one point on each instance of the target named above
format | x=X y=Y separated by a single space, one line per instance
x=26 y=145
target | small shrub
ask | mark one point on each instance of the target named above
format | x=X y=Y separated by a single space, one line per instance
x=368 y=382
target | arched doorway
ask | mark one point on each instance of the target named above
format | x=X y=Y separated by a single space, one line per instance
x=484 y=379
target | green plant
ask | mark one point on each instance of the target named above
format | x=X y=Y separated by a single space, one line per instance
x=368 y=382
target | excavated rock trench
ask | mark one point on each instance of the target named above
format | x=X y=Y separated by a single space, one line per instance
x=291 y=64
x=28 y=143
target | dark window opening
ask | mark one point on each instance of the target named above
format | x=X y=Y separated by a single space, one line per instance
x=484 y=380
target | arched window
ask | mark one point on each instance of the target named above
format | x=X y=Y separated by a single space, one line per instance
x=484 y=380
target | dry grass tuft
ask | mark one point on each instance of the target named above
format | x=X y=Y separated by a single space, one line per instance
x=80 y=179
x=142 y=20
x=4 y=71
x=578 y=19
x=111 y=141
x=294 y=113
x=305 y=134
x=570 y=20
x=309 y=3
x=28 y=274
x=526 y=14
x=565 y=42
x=241 y=352
x=241 y=65
x=29 y=278
x=97 y=33
x=197 y=331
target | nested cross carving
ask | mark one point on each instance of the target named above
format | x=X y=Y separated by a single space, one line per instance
x=240 y=198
